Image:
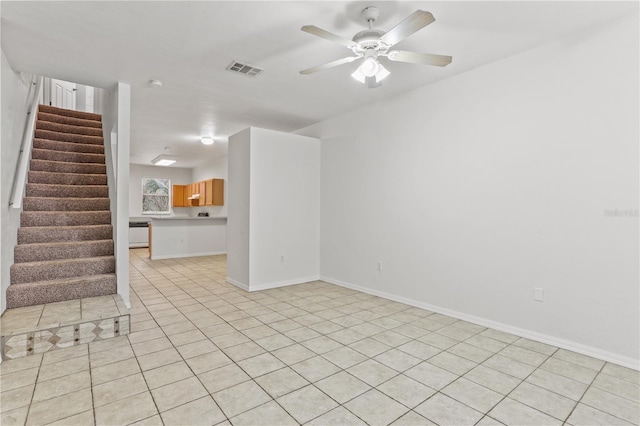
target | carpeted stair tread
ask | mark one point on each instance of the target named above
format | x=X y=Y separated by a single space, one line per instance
x=39 y=293
x=62 y=204
x=66 y=156
x=69 y=113
x=64 y=119
x=66 y=191
x=56 y=234
x=57 y=219
x=61 y=268
x=68 y=137
x=65 y=167
x=65 y=250
x=65 y=245
x=68 y=128
x=68 y=146
x=67 y=178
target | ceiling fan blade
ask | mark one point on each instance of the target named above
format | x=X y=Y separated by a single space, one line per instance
x=319 y=32
x=330 y=64
x=412 y=23
x=419 y=58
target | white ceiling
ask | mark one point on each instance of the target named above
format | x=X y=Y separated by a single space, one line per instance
x=188 y=46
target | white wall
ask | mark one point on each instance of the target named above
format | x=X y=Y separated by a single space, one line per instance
x=14 y=107
x=284 y=208
x=188 y=237
x=237 y=199
x=474 y=190
x=122 y=217
x=114 y=104
x=215 y=169
x=273 y=230
x=178 y=176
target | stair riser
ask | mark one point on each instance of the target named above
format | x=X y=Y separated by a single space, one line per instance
x=67 y=191
x=68 y=137
x=29 y=235
x=30 y=219
x=62 y=119
x=70 y=157
x=69 y=113
x=42 y=252
x=33 y=272
x=62 y=167
x=64 y=204
x=40 y=293
x=66 y=128
x=67 y=178
x=68 y=146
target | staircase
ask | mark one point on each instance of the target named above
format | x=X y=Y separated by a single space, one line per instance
x=65 y=239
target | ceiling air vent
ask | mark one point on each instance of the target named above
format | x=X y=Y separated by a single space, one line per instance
x=245 y=69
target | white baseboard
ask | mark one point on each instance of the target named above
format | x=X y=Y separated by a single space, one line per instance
x=267 y=286
x=181 y=255
x=238 y=284
x=528 y=334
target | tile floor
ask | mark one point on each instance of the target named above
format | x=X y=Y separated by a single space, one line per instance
x=41 y=328
x=203 y=352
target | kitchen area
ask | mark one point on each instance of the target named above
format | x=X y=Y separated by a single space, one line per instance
x=191 y=218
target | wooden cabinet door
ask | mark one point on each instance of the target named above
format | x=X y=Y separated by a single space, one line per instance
x=202 y=191
x=218 y=192
x=178 y=196
x=208 y=192
x=187 y=194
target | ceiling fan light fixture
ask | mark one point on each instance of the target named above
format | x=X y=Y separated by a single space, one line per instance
x=370 y=67
x=357 y=74
x=382 y=73
x=365 y=73
x=373 y=43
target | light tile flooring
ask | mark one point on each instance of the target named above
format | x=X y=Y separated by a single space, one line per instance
x=40 y=317
x=203 y=352
x=38 y=329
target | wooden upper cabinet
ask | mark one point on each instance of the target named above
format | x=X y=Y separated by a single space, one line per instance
x=218 y=192
x=208 y=192
x=211 y=193
x=178 y=198
x=201 y=191
x=187 y=194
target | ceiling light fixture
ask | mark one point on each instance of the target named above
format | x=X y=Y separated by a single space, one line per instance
x=370 y=72
x=155 y=83
x=372 y=44
x=206 y=140
x=163 y=160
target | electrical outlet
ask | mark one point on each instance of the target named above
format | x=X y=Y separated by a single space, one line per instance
x=538 y=294
x=379 y=265
x=281 y=259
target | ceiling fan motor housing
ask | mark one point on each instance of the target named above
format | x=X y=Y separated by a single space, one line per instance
x=369 y=39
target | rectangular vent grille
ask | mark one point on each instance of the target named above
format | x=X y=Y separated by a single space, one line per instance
x=245 y=69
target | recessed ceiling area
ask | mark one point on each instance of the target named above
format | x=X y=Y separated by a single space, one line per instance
x=189 y=45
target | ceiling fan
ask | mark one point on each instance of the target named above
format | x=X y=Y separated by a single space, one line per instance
x=372 y=44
